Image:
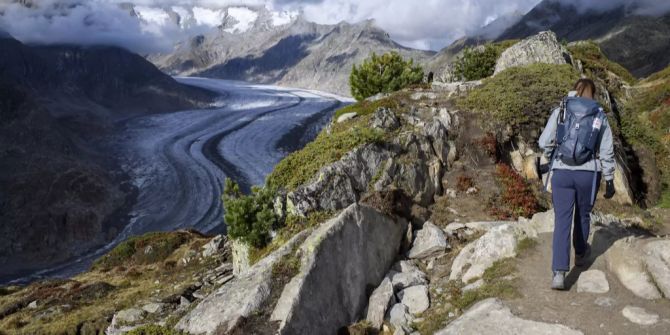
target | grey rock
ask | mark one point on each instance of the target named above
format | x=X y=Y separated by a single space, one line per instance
x=399 y=316
x=423 y=95
x=593 y=281
x=184 y=302
x=541 y=48
x=405 y=266
x=380 y=300
x=402 y=280
x=453 y=227
x=639 y=316
x=346 y=117
x=437 y=134
x=415 y=298
x=657 y=258
x=32 y=304
x=243 y=295
x=492 y=317
x=213 y=246
x=129 y=316
x=340 y=260
x=456 y=88
x=384 y=119
x=477 y=256
x=474 y=285
x=625 y=260
x=154 y=307
x=430 y=240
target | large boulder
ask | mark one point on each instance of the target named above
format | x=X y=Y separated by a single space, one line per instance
x=541 y=48
x=237 y=299
x=657 y=258
x=626 y=261
x=492 y=317
x=340 y=261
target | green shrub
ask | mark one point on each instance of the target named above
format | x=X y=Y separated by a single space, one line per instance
x=145 y=249
x=475 y=64
x=521 y=96
x=249 y=218
x=154 y=330
x=300 y=166
x=383 y=74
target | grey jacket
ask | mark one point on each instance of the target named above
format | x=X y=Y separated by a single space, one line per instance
x=605 y=161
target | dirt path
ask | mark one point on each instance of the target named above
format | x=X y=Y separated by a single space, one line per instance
x=580 y=310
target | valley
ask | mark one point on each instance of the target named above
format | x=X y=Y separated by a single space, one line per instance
x=178 y=161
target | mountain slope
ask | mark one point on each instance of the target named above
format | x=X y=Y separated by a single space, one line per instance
x=639 y=43
x=57 y=189
x=292 y=52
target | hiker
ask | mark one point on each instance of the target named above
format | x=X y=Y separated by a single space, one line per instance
x=578 y=142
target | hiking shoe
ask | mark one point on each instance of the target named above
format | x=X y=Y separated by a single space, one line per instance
x=582 y=260
x=558 y=281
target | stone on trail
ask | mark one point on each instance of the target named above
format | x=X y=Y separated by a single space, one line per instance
x=639 y=316
x=492 y=317
x=657 y=258
x=593 y=281
x=429 y=241
x=415 y=298
x=405 y=266
x=626 y=261
x=477 y=256
x=384 y=119
x=380 y=300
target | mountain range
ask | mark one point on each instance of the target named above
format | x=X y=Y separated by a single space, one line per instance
x=60 y=193
x=640 y=43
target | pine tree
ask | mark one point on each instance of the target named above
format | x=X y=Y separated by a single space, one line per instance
x=383 y=74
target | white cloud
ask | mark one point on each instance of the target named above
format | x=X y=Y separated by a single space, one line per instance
x=427 y=24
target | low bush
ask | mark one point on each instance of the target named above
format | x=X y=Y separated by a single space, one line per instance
x=249 y=218
x=475 y=64
x=464 y=182
x=596 y=64
x=516 y=197
x=383 y=74
x=521 y=96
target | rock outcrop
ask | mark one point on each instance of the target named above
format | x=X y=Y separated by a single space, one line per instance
x=492 y=317
x=340 y=260
x=414 y=162
x=541 y=48
x=225 y=308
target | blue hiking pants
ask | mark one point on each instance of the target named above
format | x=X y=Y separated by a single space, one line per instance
x=571 y=193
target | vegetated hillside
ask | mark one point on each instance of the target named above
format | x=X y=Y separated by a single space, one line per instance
x=57 y=189
x=638 y=42
x=300 y=54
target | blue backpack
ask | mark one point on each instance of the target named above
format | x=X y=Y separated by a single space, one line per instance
x=577 y=134
x=578 y=130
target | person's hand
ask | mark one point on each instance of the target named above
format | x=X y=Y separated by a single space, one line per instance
x=609 y=189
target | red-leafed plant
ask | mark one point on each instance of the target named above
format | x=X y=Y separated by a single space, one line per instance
x=490 y=145
x=516 y=197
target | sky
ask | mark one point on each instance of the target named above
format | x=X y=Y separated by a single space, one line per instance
x=422 y=24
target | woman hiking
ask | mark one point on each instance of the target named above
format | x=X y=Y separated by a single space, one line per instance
x=578 y=141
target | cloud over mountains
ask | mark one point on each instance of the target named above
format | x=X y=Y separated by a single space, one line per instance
x=429 y=24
